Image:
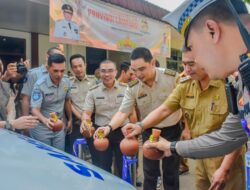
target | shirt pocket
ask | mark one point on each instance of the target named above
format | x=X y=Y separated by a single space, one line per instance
x=119 y=98
x=49 y=97
x=217 y=115
x=143 y=102
x=188 y=109
x=100 y=101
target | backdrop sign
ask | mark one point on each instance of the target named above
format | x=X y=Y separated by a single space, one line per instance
x=102 y=25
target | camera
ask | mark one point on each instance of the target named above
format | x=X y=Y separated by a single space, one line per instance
x=21 y=69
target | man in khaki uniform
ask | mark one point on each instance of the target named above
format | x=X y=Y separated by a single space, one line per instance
x=104 y=99
x=153 y=86
x=79 y=88
x=204 y=105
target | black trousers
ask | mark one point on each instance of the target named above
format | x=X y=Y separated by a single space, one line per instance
x=105 y=158
x=70 y=139
x=170 y=165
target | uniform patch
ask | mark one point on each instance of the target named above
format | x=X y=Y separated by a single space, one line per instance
x=49 y=94
x=170 y=72
x=184 y=79
x=66 y=89
x=36 y=95
x=189 y=95
x=133 y=83
x=122 y=84
x=142 y=96
x=100 y=98
x=120 y=96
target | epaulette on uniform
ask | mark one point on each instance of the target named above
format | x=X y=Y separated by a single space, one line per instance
x=184 y=79
x=133 y=83
x=170 y=72
x=91 y=76
x=122 y=84
x=71 y=78
x=41 y=80
x=94 y=87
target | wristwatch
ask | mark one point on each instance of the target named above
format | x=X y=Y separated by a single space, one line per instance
x=173 y=148
x=8 y=125
x=141 y=124
x=110 y=127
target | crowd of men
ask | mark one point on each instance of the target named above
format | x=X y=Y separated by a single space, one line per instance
x=140 y=96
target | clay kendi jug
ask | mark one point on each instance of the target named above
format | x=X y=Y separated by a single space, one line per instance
x=58 y=124
x=129 y=146
x=101 y=143
x=153 y=153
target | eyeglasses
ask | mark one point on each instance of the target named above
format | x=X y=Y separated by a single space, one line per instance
x=107 y=71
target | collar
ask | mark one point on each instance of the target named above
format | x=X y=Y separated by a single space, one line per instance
x=157 y=74
x=156 y=79
x=212 y=83
x=44 y=69
x=115 y=85
x=77 y=80
x=50 y=83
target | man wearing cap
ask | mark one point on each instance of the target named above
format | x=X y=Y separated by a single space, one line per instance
x=204 y=105
x=213 y=38
x=67 y=28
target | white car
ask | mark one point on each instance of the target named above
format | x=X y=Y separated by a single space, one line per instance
x=27 y=164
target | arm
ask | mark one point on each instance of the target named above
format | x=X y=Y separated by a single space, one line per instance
x=220 y=176
x=25 y=104
x=86 y=116
x=11 y=110
x=155 y=117
x=230 y=137
x=68 y=110
x=185 y=134
x=23 y=122
x=76 y=112
x=10 y=72
x=26 y=93
x=117 y=120
x=133 y=117
x=46 y=121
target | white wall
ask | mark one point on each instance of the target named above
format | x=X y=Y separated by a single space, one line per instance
x=45 y=44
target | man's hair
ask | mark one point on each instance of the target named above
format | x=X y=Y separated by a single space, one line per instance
x=218 y=11
x=157 y=63
x=75 y=56
x=56 y=58
x=141 y=52
x=52 y=50
x=124 y=66
x=107 y=61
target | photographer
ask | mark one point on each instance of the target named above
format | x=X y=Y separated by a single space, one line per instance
x=17 y=82
x=11 y=75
